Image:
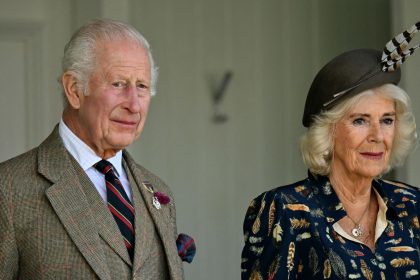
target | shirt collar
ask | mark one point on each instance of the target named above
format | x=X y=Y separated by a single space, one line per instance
x=82 y=153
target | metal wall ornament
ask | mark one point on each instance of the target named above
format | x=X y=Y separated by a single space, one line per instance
x=217 y=96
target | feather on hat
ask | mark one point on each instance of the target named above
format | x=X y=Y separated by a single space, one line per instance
x=358 y=70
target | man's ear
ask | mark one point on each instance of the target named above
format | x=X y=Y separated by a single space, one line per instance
x=72 y=89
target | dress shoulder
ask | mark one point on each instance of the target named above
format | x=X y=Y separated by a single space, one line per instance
x=288 y=194
x=266 y=232
x=399 y=184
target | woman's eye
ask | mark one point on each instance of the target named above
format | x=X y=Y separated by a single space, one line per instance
x=388 y=121
x=359 y=121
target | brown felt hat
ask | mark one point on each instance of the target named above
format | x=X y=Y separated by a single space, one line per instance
x=345 y=76
x=355 y=71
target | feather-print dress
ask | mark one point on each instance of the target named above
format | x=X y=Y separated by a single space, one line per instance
x=289 y=234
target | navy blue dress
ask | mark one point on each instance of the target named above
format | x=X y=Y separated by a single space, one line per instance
x=289 y=235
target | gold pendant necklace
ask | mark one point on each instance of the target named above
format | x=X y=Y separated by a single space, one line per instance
x=357 y=230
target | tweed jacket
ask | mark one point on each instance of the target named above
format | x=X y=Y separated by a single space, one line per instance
x=53 y=224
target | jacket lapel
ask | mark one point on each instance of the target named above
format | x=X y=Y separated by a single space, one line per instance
x=161 y=219
x=67 y=198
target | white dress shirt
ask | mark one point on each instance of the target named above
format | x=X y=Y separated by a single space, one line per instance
x=86 y=158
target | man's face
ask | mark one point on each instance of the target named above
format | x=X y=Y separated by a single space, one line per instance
x=114 y=112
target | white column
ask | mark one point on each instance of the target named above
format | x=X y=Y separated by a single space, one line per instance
x=404 y=14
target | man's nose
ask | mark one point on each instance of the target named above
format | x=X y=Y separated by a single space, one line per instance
x=132 y=99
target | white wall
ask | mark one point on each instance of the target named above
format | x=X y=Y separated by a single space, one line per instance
x=32 y=35
x=274 y=49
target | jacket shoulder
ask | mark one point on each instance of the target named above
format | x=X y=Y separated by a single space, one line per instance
x=19 y=165
x=291 y=190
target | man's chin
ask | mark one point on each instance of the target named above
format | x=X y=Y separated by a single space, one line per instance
x=121 y=143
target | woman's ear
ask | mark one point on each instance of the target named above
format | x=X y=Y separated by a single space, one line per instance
x=72 y=89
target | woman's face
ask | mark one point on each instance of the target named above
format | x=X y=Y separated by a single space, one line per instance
x=363 y=138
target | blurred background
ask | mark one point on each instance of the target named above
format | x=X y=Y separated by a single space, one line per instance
x=215 y=152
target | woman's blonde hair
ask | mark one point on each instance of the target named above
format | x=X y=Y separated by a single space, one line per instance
x=317 y=144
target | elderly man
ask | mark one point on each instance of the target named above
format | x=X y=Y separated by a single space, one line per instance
x=78 y=206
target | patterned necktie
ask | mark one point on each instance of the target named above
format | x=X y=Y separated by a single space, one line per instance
x=119 y=204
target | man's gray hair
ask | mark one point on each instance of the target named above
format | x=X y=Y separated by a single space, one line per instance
x=80 y=56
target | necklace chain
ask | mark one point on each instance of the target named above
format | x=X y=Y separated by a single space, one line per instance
x=357 y=230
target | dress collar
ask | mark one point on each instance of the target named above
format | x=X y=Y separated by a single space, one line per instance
x=331 y=205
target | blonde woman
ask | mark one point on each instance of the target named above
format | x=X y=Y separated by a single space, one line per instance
x=343 y=221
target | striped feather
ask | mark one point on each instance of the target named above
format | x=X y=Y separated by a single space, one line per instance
x=400 y=262
x=299 y=223
x=297 y=207
x=256 y=226
x=396 y=52
x=327 y=269
x=313 y=260
x=256 y=250
x=415 y=222
x=411 y=273
x=383 y=276
x=255 y=275
x=400 y=249
x=254 y=239
x=274 y=267
x=290 y=256
x=277 y=232
x=257 y=223
x=337 y=264
x=303 y=236
x=365 y=270
x=271 y=213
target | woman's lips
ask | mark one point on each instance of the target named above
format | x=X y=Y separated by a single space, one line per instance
x=372 y=156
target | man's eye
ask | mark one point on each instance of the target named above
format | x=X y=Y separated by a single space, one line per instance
x=118 y=84
x=142 y=86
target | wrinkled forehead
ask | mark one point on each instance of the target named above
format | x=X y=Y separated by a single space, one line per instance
x=121 y=52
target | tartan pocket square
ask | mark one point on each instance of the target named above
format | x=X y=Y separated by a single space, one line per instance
x=186 y=247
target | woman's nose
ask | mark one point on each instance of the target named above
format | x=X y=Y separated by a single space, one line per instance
x=376 y=134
